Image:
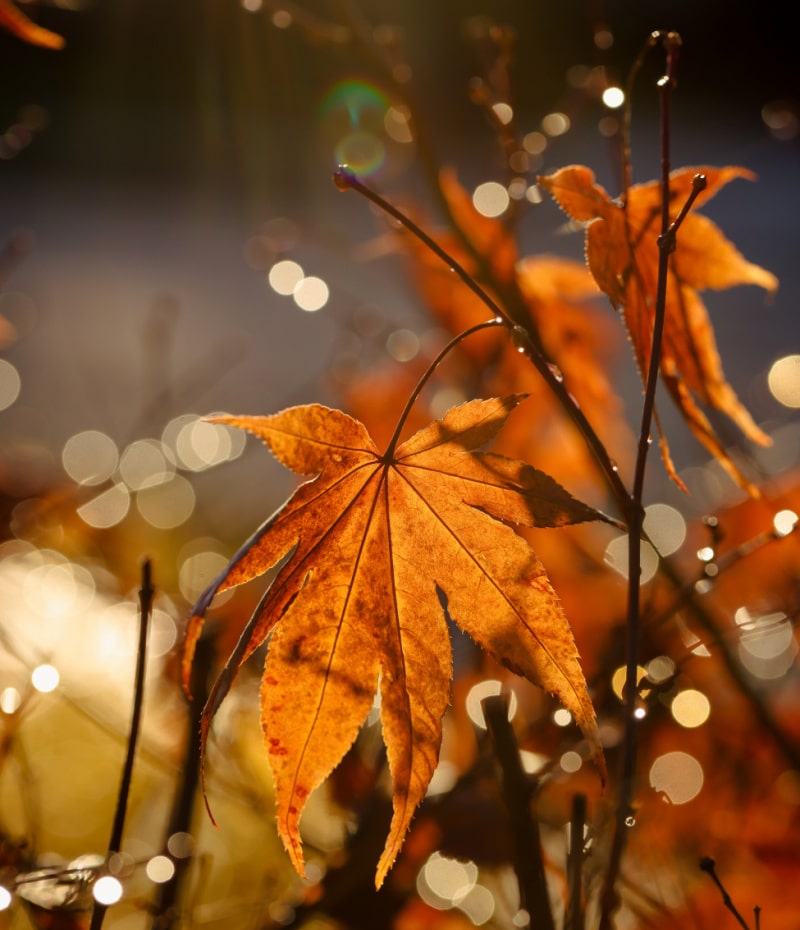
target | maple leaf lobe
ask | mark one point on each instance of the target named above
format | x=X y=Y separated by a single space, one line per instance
x=369 y=544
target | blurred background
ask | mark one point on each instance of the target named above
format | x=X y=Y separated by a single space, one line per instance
x=172 y=246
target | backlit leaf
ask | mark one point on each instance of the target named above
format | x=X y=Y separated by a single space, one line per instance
x=622 y=252
x=379 y=550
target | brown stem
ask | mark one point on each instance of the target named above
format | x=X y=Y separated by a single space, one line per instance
x=666 y=243
x=708 y=865
x=146 y=594
x=517 y=793
x=574 y=920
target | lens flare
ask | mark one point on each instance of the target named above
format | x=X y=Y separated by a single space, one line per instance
x=352 y=123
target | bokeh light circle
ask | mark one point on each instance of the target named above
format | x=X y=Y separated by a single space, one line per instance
x=678 y=776
x=10 y=384
x=784 y=381
x=90 y=457
x=311 y=294
x=490 y=199
x=107 y=890
x=168 y=504
x=690 y=708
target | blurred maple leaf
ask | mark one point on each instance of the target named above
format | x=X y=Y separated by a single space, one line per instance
x=622 y=252
x=17 y=23
x=381 y=549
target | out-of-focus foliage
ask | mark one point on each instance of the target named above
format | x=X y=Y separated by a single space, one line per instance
x=17 y=23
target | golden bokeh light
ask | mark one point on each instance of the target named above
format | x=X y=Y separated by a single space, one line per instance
x=660 y=669
x=160 y=869
x=767 y=644
x=107 y=890
x=168 y=504
x=403 y=345
x=556 y=124
x=10 y=384
x=485 y=689
x=143 y=464
x=570 y=761
x=784 y=381
x=198 y=569
x=677 y=776
x=107 y=509
x=782 y=119
x=478 y=904
x=10 y=700
x=690 y=708
x=616 y=555
x=665 y=526
x=619 y=676
x=284 y=276
x=503 y=112
x=613 y=97
x=311 y=294
x=45 y=678
x=197 y=444
x=534 y=142
x=443 y=882
x=490 y=199
x=784 y=522
x=90 y=457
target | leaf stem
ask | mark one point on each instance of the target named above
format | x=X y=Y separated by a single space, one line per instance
x=146 y=594
x=389 y=454
x=345 y=180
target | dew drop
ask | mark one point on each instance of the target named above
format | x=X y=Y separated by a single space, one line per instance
x=342 y=177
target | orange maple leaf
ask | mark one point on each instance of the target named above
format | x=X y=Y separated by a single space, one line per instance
x=17 y=23
x=381 y=549
x=622 y=253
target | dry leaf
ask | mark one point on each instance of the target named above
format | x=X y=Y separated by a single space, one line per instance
x=622 y=252
x=17 y=23
x=379 y=549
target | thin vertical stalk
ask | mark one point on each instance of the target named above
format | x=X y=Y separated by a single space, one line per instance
x=517 y=793
x=165 y=908
x=666 y=244
x=146 y=594
x=574 y=920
